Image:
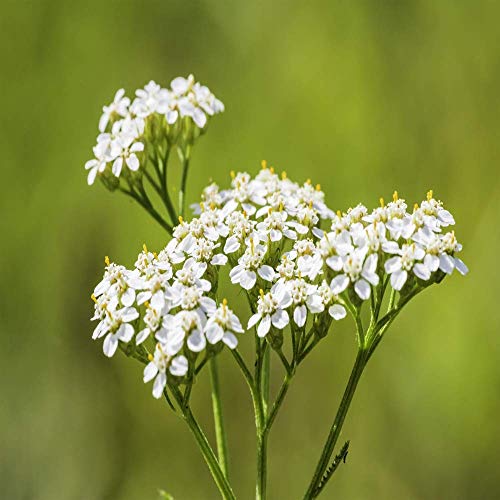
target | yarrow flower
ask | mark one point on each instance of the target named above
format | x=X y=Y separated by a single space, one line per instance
x=158 y=114
x=300 y=265
x=266 y=230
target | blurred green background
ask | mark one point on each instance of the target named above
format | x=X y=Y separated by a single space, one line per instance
x=364 y=98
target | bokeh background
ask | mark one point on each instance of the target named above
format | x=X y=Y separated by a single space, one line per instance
x=364 y=98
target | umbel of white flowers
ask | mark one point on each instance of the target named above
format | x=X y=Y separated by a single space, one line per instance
x=267 y=230
x=177 y=116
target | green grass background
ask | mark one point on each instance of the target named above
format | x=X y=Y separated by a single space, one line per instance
x=364 y=98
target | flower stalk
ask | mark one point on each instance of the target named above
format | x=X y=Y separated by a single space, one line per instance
x=220 y=433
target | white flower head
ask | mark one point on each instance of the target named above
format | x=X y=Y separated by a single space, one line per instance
x=271 y=310
x=159 y=364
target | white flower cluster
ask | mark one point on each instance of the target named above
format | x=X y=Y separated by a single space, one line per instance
x=163 y=301
x=267 y=231
x=155 y=111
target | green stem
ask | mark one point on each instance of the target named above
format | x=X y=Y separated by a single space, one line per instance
x=278 y=402
x=266 y=366
x=149 y=208
x=260 y=424
x=308 y=350
x=205 y=448
x=166 y=196
x=185 y=170
x=220 y=434
x=261 y=488
x=333 y=436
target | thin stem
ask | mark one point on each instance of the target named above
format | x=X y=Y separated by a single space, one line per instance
x=149 y=208
x=220 y=434
x=333 y=436
x=266 y=366
x=308 y=350
x=246 y=372
x=258 y=396
x=185 y=170
x=278 y=402
x=283 y=359
x=261 y=488
x=166 y=196
x=205 y=448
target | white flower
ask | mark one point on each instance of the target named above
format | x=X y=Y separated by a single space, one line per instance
x=119 y=107
x=275 y=226
x=360 y=270
x=249 y=265
x=158 y=366
x=127 y=154
x=151 y=99
x=191 y=274
x=105 y=151
x=304 y=297
x=193 y=100
x=406 y=260
x=330 y=300
x=271 y=311
x=221 y=326
x=116 y=327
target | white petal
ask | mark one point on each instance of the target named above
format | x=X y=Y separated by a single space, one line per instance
x=248 y=279
x=117 y=166
x=398 y=279
x=128 y=297
x=280 y=319
x=335 y=262
x=421 y=271
x=179 y=366
x=264 y=326
x=253 y=320
x=125 y=332
x=461 y=267
x=315 y=304
x=196 y=341
x=159 y=385
x=232 y=244
x=337 y=311
x=219 y=260
x=150 y=372
x=266 y=273
x=446 y=263
x=339 y=284
x=432 y=262
x=172 y=117
x=92 y=175
x=230 y=340
x=158 y=300
x=300 y=315
x=129 y=314
x=392 y=265
x=133 y=162
x=142 y=336
x=110 y=344
x=214 y=333
x=370 y=265
x=363 y=289
x=199 y=117
x=275 y=235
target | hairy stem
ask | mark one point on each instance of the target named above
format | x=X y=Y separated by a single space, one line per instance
x=334 y=433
